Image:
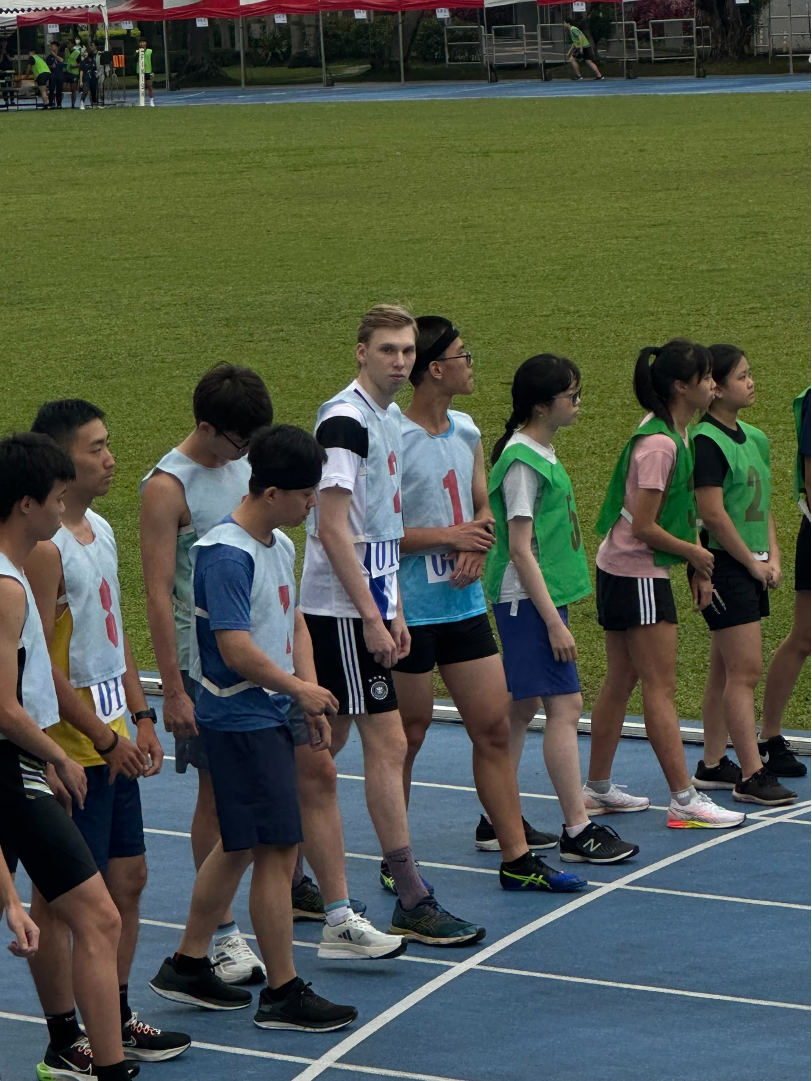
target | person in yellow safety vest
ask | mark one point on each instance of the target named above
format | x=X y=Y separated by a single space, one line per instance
x=580 y=49
x=142 y=47
x=42 y=75
x=73 y=54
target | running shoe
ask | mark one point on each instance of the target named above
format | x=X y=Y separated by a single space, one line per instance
x=308 y=903
x=430 y=923
x=595 y=844
x=204 y=988
x=356 y=937
x=72 y=1062
x=765 y=788
x=702 y=813
x=486 y=840
x=615 y=801
x=147 y=1044
x=388 y=882
x=536 y=875
x=302 y=1009
x=709 y=778
x=236 y=962
x=776 y=755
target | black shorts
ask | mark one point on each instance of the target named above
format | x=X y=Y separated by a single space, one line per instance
x=36 y=830
x=110 y=820
x=254 y=779
x=148 y=77
x=802 y=557
x=448 y=643
x=345 y=666
x=624 y=603
x=189 y=752
x=584 y=54
x=738 y=598
x=43 y=78
x=70 y=77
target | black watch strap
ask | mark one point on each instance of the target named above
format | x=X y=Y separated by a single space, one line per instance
x=142 y=715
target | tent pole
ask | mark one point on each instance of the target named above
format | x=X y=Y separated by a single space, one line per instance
x=241 y=26
x=400 y=47
x=166 y=54
x=623 y=35
x=324 y=81
x=19 y=67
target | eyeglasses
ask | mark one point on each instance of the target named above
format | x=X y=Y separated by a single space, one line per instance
x=574 y=397
x=469 y=360
x=237 y=446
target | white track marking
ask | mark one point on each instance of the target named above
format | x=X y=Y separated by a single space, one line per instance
x=717 y=897
x=646 y=987
x=785 y=812
x=339 y=1050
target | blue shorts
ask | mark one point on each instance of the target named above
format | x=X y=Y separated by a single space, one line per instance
x=254 y=779
x=110 y=820
x=531 y=670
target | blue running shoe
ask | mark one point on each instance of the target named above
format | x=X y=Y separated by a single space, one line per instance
x=388 y=882
x=534 y=874
x=428 y=922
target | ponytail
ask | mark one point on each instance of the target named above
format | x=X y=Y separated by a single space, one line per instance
x=536 y=382
x=677 y=361
x=511 y=424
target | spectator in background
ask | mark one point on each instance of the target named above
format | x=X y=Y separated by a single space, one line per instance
x=56 y=63
x=6 y=72
x=142 y=44
x=42 y=75
x=580 y=49
x=89 y=78
x=73 y=55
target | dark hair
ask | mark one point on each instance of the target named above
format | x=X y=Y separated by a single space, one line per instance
x=677 y=361
x=61 y=419
x=725 y=358
x=232 y=399
x=430 y=329
x=536 y=382
x=30 y=465
x=284 y=457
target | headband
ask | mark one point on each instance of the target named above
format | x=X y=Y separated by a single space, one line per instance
x=432 y=352
x=290 y=480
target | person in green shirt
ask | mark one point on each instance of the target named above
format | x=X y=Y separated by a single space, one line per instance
x=535 y=569
x=732 y=480
x=42 y=75
x=142 y=46
x=580 y=49
x=73 y=54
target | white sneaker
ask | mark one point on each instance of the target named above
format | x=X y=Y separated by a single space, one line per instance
x=702 y=813
x=81 y=105
x=152 y=102
x=615 y=801
x=236 y=962
x=357 y=938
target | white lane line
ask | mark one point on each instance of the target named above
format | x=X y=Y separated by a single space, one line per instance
x=646 y=987
x=797 y=808
x=717 y=897
x=339 y=1050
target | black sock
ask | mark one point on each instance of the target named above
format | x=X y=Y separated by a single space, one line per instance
x=190 y=966
x=63 y=1029
x=117 y=1072
x=516 y=865
x=276 y=994
x=124 y=1006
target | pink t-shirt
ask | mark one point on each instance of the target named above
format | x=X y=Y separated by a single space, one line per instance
x=621 y=553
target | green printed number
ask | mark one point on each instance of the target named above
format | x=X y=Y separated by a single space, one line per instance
x=575 y=536
x=754 y=513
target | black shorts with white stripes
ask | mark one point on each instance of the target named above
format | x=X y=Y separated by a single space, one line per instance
x=345 y=666
x=624 y=603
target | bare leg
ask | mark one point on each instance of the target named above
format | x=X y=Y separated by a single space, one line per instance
x=416 y=701
x=575 y=67
x=609 y=710
x=785 y=668
x=206 y=829
x=321 y=823
x=739 y=649
x=384 y=743
x=595 y=68
x=215 y=886
x=269 y=905
x=563 y=712
x=520 y=714
x=125 y=880
x=51 y=964
x=713 y=707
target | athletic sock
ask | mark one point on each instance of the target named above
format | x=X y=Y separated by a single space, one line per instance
x=518 y=865
x=226 y=930
x=684 y=797
x=126 y=1012
x=190 y=966
x=298 y=870
x=63 y=1029
x=408 y=883
x=337 y=912
x=573 y=831
x=276 y=994
x=117 y=1072
x=601 y=787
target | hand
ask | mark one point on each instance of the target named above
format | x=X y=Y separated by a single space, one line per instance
x=380 y=642
x=760 y=571
x=127 y=759
x=315 y=700
x=24 y=930
x=473 y=536
x=701 y=591
x=775 y=574
x=63 y=797
x=564 y=648
x=73 y=777
x=321 y=733
x=400 y=636
x=701 y=559
x=150 y=746
x=469 y=567
x=179 y=714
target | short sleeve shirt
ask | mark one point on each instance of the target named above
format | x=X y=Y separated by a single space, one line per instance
x=522 y=496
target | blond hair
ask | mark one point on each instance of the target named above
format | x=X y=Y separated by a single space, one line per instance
x=384 y=315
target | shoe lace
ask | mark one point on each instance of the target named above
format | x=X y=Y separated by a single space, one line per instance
x=82 y=1046
x=604 y=829
x=141 y=1027
x=237 y=948
x=360 y=923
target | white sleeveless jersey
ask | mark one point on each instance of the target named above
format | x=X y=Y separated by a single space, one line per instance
x=438 y=473
x=93 y=595
x=35 y=683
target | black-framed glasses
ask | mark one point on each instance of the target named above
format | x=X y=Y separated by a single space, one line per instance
x=469 y=360
x=574 y=397
x=235 y=445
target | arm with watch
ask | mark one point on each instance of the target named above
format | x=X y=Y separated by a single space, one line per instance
x=143 y=718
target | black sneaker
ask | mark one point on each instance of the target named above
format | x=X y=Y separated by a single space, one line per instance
x=430 y=923
x=71 y=1062
x=486 y=841
x=308 y=903
x=302 y=1009
x=765 y=788
x=595 y=844
x=536 y=876
x=726 y=775
x=779 y=759
x=147 y=1044
x=203 y=988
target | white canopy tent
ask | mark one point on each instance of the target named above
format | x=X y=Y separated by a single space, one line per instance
x=10 y=11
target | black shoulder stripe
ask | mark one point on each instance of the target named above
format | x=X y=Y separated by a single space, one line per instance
x=346 y=433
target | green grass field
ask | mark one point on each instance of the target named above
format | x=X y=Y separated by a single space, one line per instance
x=164 y=240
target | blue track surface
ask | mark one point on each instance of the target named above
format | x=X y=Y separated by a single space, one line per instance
x=465 y=91
x=656 y=969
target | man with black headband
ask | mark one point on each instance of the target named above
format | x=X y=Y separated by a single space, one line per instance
x=446 y=536
x=252 y=658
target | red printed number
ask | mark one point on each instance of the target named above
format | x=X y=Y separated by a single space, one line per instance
x=106 y=599
x=393 y=468
x=451 y=486
x=284 y=600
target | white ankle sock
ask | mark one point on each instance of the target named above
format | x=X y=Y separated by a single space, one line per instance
x=337 y=912
x=573 y=831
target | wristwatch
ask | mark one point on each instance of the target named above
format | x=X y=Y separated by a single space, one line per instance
x=142 y=714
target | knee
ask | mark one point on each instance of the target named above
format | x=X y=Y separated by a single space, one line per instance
x=316 y=774
x=744 y=678
x=134 y=881
x=661 y=686
x=101 y=926
x=492 y=735
x=415 y=732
